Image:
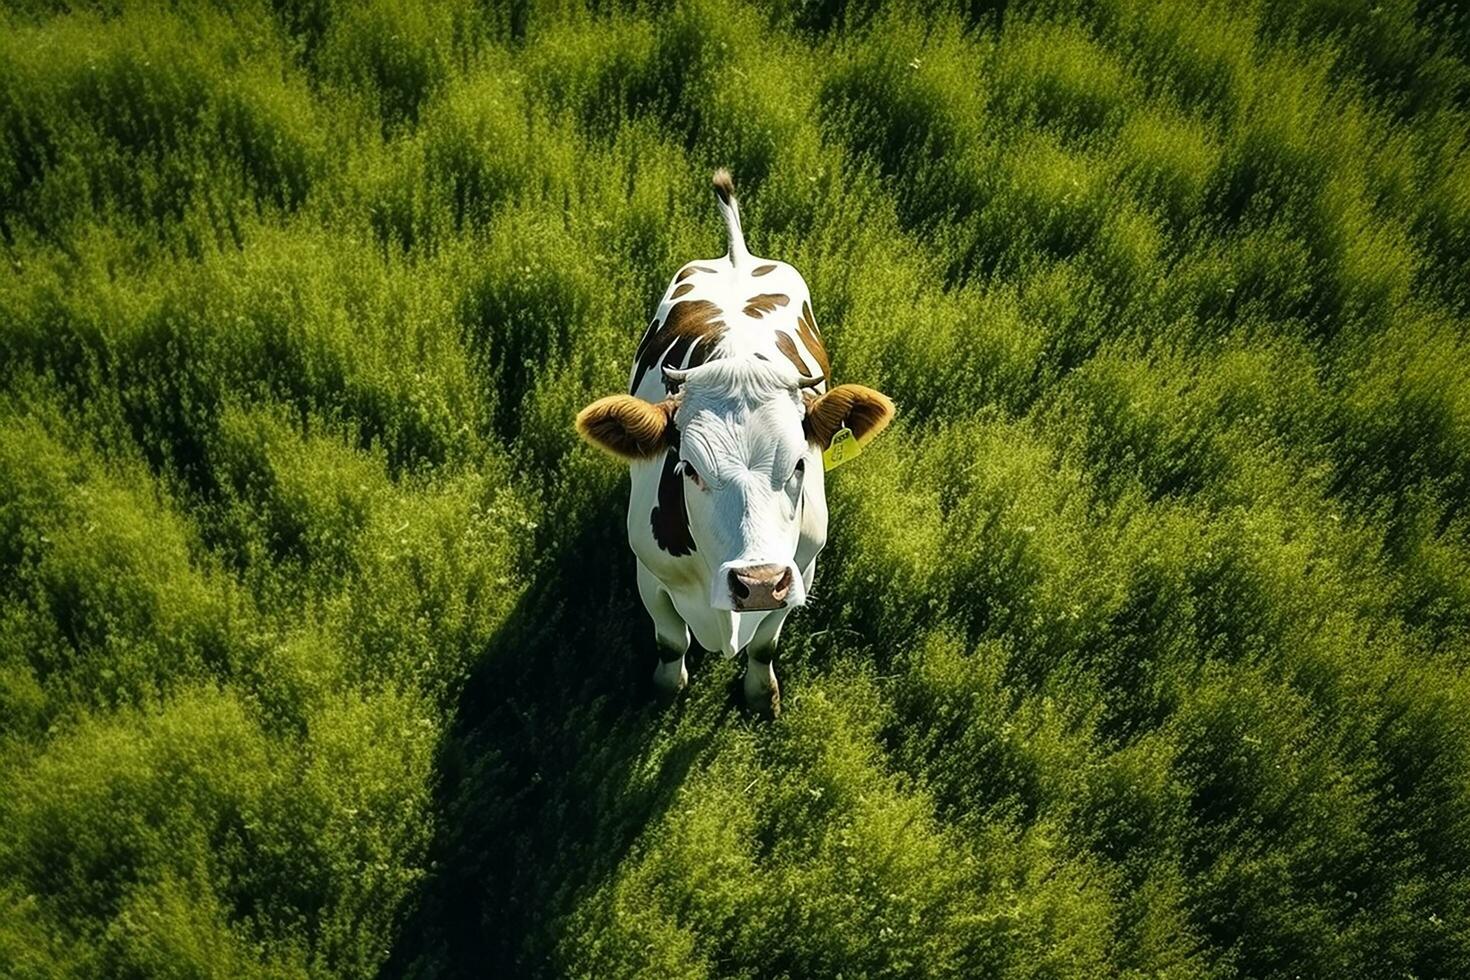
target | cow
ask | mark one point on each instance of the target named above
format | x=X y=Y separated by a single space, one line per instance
x=727 y=508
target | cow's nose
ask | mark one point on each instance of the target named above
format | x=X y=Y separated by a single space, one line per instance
x=760 y=586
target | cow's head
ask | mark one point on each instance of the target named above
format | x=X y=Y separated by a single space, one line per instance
x=746 y=434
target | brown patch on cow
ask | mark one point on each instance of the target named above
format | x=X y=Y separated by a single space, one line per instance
x=669 y=518
x=787 y=346
x=762 y=303
x=688 y=287
x=648 y=334
x=761 y=270
x=806 y=329
x=690 y=270
x=692 y=326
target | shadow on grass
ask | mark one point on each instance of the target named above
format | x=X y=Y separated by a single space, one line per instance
x=558 y=757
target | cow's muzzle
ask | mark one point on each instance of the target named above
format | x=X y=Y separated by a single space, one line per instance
x=757 y=587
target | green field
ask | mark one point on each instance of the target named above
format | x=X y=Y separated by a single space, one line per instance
x=1140 y=645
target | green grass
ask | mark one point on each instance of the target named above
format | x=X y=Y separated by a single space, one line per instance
x=1140 y=645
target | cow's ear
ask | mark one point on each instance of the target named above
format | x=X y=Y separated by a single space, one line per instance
x=863 y=410
x=627 y=427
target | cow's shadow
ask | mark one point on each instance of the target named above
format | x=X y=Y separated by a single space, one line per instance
x=544 y=776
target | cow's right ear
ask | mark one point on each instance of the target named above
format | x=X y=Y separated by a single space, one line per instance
x=628 y=427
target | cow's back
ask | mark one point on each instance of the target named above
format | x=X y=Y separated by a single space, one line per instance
x=713 y=309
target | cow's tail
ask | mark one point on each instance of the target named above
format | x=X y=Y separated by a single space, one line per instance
x=730 y=208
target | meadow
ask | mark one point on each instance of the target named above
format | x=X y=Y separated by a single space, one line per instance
x=1140 y=644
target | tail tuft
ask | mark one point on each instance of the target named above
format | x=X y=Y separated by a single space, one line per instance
x=724 y=186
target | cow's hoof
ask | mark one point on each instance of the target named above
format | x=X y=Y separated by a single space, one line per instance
x=765 y=702
x=669 y=680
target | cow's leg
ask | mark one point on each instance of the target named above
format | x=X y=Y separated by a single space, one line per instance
x=670 y=632
x=762 y=692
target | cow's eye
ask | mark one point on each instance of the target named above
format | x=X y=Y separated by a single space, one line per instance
x=691 y=473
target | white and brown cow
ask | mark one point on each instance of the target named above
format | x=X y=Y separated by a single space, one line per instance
x=728 y=414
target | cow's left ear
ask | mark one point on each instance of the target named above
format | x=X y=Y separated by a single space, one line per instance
x=627 y=427
x=862 y=409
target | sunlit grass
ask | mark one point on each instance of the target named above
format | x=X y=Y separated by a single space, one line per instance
x=1138 y=647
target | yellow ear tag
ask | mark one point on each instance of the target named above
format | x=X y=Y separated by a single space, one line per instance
x=844 y=447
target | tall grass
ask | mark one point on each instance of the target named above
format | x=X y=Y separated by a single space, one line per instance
x=1139 y=645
